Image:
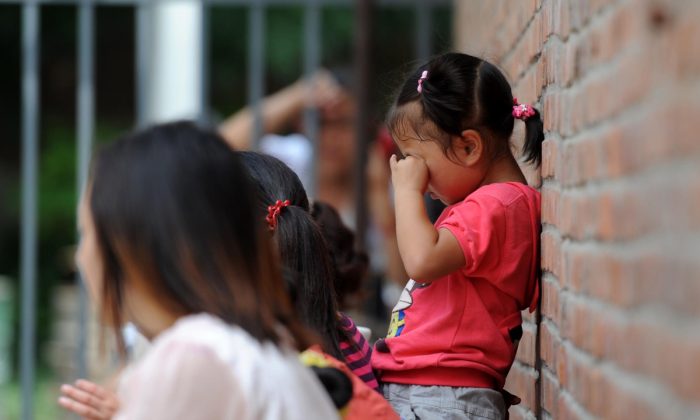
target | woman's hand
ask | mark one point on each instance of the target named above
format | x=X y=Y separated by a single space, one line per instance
x=89 y=400
x=409 y=174
x=321 y=90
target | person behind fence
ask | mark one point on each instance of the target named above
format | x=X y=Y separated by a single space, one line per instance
x=454 y=332
x=171 y=241
x=333 y=95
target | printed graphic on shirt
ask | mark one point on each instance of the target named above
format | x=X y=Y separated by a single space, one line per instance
x=398 y=314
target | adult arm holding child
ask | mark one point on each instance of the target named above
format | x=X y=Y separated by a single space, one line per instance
x=427 y=253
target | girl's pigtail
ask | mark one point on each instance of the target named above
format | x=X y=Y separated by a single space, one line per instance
x=308 y=264
x=534 y=136
x=534 y=131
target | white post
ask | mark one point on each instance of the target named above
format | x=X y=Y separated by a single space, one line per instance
x=175 y=85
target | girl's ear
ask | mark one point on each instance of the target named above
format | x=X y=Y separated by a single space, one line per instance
x=469 y=147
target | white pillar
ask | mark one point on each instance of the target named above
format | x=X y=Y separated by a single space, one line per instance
x=175 y=84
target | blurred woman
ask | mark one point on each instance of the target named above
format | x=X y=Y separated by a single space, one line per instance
x=170 y=241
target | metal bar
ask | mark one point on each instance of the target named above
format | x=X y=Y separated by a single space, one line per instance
x=204 y=66
x=423 y=32
x=363 y=36
x=312 y=54
x=256 y=68
x=85 y=123
x=386 y=3
x=144 y=12
x=30 y=169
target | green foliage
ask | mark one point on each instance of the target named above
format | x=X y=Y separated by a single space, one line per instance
x=45 y=396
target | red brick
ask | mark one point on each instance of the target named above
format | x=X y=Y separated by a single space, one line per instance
x=556 y=19
x=521 y=381
x=551 y=307
x=550 y=393
x=549 y=345
x=550 y=205
x=549 y=156
x=526 y=348
x=551 y=253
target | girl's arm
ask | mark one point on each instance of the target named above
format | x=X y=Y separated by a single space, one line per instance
x=427 y=253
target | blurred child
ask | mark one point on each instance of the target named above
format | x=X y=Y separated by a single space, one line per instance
x=454 y=331
x=310 y=278
x=349 y=268
x=305 y=254
x=348 y=264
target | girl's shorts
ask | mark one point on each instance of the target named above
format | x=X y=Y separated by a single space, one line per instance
x=444 y=402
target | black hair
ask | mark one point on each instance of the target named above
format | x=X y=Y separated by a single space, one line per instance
x=349 y=264
x=464 y=92
x=174 y=209
x=301 y=245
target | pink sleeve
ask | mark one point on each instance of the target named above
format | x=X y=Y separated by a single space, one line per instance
x=184 y=381
x=479 y=226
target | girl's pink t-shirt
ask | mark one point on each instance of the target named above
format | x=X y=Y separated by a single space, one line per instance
x=455 y=330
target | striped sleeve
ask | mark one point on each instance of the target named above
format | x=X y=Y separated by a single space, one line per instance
x=357 y=352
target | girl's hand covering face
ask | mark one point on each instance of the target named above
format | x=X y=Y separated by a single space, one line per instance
x=409 y=174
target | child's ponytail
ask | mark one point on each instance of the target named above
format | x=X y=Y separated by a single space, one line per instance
x=309 y=275
x=282 y=201
x=534 y=136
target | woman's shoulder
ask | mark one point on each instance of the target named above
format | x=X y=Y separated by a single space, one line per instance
x=230 y=343
x=203 y=329
x=257 y=369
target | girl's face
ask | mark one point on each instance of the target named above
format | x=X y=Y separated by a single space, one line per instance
x=87 y=257
x=451 y=179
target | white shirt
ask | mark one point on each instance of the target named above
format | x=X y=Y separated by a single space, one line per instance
x=295 y=151
x=202 y=368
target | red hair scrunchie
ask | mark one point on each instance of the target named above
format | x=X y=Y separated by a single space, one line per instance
x=274 y=211
x=522 y=111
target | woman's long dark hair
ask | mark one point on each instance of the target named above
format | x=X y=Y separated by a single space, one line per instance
x=174 y=209
x=302 y=248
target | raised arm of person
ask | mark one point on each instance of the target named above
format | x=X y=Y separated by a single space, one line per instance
x=279 y=109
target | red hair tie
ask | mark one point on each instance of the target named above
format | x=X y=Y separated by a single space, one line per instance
x=423 y=76
x=274 y=211
x=522 y=111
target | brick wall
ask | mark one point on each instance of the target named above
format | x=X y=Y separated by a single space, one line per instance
x=618 y=335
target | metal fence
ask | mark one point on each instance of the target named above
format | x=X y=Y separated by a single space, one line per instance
x=85 y=92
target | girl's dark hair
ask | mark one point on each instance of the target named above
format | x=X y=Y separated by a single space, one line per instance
x=174 y=210
x=464 y=92
x=349 y=264
x=301 y=245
